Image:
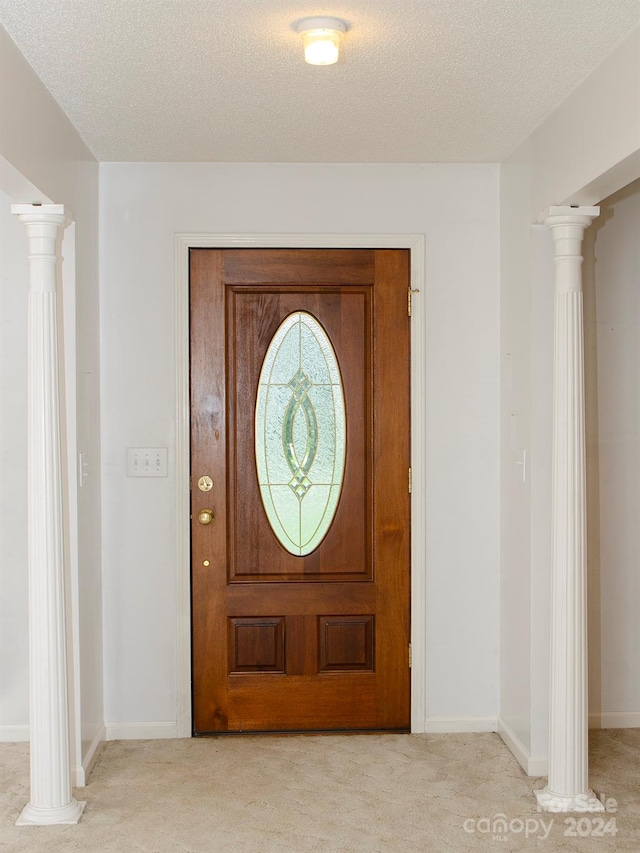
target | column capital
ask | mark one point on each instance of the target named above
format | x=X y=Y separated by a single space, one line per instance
x=44 y=224
x=564 y=214
x=48 y=214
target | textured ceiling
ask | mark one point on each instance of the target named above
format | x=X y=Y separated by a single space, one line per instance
x=225 y=80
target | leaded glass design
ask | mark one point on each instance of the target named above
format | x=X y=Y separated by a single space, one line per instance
x=300 y=433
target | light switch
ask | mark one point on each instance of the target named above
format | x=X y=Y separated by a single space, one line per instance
x=146 y=462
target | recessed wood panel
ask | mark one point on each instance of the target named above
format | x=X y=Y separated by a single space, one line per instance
x=346 y=643
x=256 y=645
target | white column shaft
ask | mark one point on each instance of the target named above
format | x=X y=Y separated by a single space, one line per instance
x=568 y=787
x=51 y=795
x=568 y=764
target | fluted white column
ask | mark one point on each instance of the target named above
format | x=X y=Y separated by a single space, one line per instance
x=568 y=785
x=51 y=795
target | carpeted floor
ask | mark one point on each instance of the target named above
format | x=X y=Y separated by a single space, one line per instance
x=387 y=793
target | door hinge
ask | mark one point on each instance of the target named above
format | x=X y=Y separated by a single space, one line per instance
x=410 y=292
x=410 y=656
x=410 y=480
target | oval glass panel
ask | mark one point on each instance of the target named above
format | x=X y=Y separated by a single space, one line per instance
x=300 y=433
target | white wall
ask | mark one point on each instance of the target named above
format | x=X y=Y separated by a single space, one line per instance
x=142 y=207
x=612 y=319
x=515 y=619
x=589 y=146
x=14 y=660
x=42 y=158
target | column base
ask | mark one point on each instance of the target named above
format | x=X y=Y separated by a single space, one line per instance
x=550 y=802
x=37 y=816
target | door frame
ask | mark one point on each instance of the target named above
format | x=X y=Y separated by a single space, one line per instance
x=416 y=245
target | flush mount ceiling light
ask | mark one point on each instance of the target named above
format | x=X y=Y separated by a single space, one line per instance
x=321 y=39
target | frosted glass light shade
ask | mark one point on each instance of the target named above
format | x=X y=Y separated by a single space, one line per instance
x=321 y=47
x=321 y=39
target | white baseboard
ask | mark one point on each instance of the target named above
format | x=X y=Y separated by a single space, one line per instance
x=14 y=734
x=80 y=775
x=110 y=731
x=452 y=725
x=615 y=720
x=539 y=765
x=532 y=765
x=141 y=731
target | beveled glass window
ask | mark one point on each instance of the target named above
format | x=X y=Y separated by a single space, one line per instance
x=300 y=433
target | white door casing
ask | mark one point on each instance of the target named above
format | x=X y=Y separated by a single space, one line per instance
x=416 y=245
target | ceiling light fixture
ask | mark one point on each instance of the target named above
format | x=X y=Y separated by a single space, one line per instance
x=321 y=39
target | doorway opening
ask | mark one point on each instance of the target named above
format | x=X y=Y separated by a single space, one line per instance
x=415 y=245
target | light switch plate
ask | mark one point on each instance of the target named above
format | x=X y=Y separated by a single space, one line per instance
x=146 y=462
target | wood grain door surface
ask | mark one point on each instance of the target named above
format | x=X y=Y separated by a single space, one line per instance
x=283 y=642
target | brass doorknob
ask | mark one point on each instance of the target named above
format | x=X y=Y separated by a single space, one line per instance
x=205 y=516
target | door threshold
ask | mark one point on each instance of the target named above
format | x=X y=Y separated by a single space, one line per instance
x=305 y=732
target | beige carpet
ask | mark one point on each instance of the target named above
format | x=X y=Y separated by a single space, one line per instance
x=405 y=793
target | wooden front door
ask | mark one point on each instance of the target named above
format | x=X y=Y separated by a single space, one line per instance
x=299 y=489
